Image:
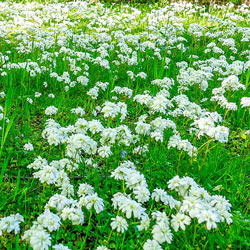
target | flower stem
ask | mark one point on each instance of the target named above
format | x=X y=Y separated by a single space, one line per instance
x=87 y=233
x=110 y=235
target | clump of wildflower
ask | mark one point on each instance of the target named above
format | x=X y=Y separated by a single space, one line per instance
x=119 y=224
x=11 y=223
x=28 y=147
x=51 y=110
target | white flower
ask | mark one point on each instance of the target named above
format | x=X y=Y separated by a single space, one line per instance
x=11 y=223
x=37 y=94
x=220 y=203
x=102 y=248
x=85 y=189
x=67 y=188
x=135 y=179
x=81 y=125
x=49 y=220
x=95 y=126
x=159 y=194
x=232 y=83
x=180 y=220
x=142 y=128
x=191 y=205
x=157 y=135
x=221 y=133
x=83 y=80
x=145 y=222
x=245 y=102
x=129 y=207
x=48 y=174
x=111 y=109
x=39 y=240
x=151 y=245
x=74 y=214
x=28 y=147
x=175 y=183
x=29 y=100
x=79 y=111
x=142 y=75
x=119 y=224
x=51 y=96
x=142 y=194
x=39 y=163
x=161 y=233
x=104 y=151
x=93 y=92
x=51 y=110
x=92 y=200
x=209 y=217
x=60 y=247
x=2 y=94
x=58 y=202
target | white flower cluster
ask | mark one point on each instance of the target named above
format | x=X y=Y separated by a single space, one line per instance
x=67 y=209
x=51 y=110
x=89 y=198
x=11 y=223
x=123 y=91
x=231 y=83
x=78 y=111
x=55 y=173
x=190 y=77
x=112 y=110
x=175 y=141
x=102 y=248
x=38 y=235
x=28 y=147
x=186 y=108
x=119 y=224
x=159 y=103
x=128 y=206
x=133 y=179
x=156 y=127
x=195 y=202
x=2 y=94
x=223 y=102
x=78 y=142
x=245 y=102
x=1 y=113
x=165 y=83
x=206 y=126
x=196 y=29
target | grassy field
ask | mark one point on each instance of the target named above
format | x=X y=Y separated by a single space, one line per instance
x=124 y=126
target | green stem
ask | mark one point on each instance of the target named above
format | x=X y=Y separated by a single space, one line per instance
x=123 y=186
x=179 y=162
x=204 y=144
x=242 y=119
x=87 y=233
x=195 y=229
x=110 y=236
